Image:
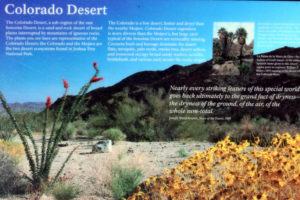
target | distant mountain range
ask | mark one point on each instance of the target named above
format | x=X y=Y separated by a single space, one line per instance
x=28 y=106
x=192 y=75
x=202 y=75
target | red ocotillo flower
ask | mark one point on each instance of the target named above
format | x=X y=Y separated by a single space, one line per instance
x=48 y=102
x=95 y=64
x=96 y=79
x=66 y=84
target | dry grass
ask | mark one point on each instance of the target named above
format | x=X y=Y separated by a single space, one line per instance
x=98 y=181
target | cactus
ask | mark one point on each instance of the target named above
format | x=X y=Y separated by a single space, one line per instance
x=40 y=165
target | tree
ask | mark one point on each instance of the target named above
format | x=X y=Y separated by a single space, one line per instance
x=223 y=36
x=217 y=49
x=230 y=38
x=241 y=35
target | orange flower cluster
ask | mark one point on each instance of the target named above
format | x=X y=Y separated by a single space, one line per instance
x=232 y=171
x=15 y=150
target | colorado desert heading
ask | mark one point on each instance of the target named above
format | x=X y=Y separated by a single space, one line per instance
x=70 y=9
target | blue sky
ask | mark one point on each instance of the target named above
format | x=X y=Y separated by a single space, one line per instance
x=33 y=78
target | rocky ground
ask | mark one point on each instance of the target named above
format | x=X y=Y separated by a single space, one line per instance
x=91 y=172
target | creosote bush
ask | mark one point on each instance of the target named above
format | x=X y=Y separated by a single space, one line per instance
x=41 y=161
x=80 y=127
x=63 y=191
x=124 y=180
x=114 y=134
x=232 y=171
x=144 y=120
x=69 y=132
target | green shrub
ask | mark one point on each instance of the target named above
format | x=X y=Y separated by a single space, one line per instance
x=124 y=181
x=101 y=119
x=217 y=132
x=11 y=181
x=160 y=127
x=63 y=191
x=114 y=134
x=182 y=153
x=147 y=120
x=69 y=132
x=195 y=130
x=219 y=60
x=6 y=128
x=6 y=135
x=128 y=116
x=245 y=69
x=92 y=132
x=232 y=58
x=81 y=127
x=34 y=120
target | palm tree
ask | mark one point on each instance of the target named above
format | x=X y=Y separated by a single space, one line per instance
x=230 y=38
x=241 y=35
x=217 y=49
x=223 y=35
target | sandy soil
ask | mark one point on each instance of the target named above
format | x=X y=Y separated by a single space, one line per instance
x=92 y=172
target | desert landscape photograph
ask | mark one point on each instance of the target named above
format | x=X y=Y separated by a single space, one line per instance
x=149 y=100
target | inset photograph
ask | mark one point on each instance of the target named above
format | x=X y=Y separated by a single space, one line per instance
x=233 y=44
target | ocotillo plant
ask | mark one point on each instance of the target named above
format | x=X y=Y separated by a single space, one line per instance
x=40 y=163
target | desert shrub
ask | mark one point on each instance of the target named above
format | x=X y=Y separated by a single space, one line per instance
x=6 y=135
x=129 y=117
x=232 y=171
x=69 y=132
x=63 y=191
x=157 y=118
x=182 y=153
x=250 y=129
x=232 y=58
x=81 y=127
x=146 y=120
x=219 y=60
x=11 y=181
x=99 y=122
x=114 y=134
x=245 y=69
x=124 y=180
x=6 y=128
x=92 y=132
x=195 y=130
x=34 y=120
x=216 y=132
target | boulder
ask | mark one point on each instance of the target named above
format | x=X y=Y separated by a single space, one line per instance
x=102 y=146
